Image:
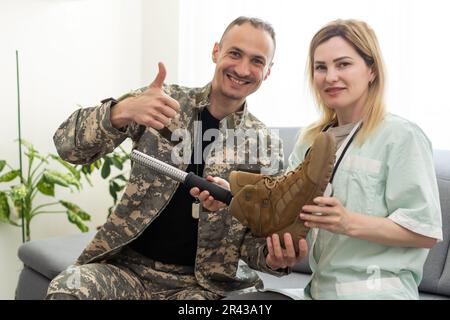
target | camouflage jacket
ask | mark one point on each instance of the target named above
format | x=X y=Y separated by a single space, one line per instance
x=222 y=240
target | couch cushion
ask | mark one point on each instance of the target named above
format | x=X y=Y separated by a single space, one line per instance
x=51 y=256
x=430 y=296
x=442 y=164
x=32 y=285
x=289 y=136
x=436 y=277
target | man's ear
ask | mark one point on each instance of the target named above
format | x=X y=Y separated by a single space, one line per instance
x=268 y=71
x=215 y=52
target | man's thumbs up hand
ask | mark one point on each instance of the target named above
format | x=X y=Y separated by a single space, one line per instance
x=160 y=77
x=153 y=108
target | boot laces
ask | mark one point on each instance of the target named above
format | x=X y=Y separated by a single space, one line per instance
x=271 y=182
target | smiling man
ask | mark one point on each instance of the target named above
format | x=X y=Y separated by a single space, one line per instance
x=159 y=243
x=243 y=60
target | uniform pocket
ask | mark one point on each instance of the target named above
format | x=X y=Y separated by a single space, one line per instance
x=362 y=164
x=359 y=181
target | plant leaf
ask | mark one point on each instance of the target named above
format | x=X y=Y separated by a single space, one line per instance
x=106 y=169
x=55 y=178
x=116 y=186
x=31 y=152
x=4 y=208
x=62 y=179
x=11 y=175
x=83 y=215
x=98 y=163
x=76 y=220
x=35 y=154
x=120 y=177
x=86 y=169
x=45 y=187
x=116 y=162
x=88 y=180
x=2 y=164
x=18 y=194
x=26 y=144
x=113 y=192
x=110 y=210
x=67 y=165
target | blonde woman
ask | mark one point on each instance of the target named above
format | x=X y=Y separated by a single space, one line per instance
x=372 y=231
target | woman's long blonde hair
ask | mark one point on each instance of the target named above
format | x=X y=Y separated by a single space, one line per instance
x=361 y=36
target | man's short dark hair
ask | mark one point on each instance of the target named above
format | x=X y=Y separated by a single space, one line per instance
x=255 y=22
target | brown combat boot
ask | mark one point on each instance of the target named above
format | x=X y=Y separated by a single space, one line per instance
x=269 y=205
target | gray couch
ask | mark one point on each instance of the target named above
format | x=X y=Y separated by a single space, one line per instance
x=44 y=259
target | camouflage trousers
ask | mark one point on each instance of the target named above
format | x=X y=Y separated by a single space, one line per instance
x=128 y=276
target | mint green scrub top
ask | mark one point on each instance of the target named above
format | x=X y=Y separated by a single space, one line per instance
x=390 y=175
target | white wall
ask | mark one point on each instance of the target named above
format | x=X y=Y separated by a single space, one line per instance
x=160 y=39
x=412 y=34
x=73 y=52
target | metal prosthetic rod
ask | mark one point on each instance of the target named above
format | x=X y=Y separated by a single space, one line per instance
x=189 y=179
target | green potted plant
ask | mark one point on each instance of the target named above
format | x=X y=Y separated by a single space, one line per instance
x=19 y=188
x=17 y=203
x=116 y=183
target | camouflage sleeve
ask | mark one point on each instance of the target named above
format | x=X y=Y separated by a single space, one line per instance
x=88 y=135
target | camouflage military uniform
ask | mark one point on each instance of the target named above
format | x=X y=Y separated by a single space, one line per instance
x=107 y=268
